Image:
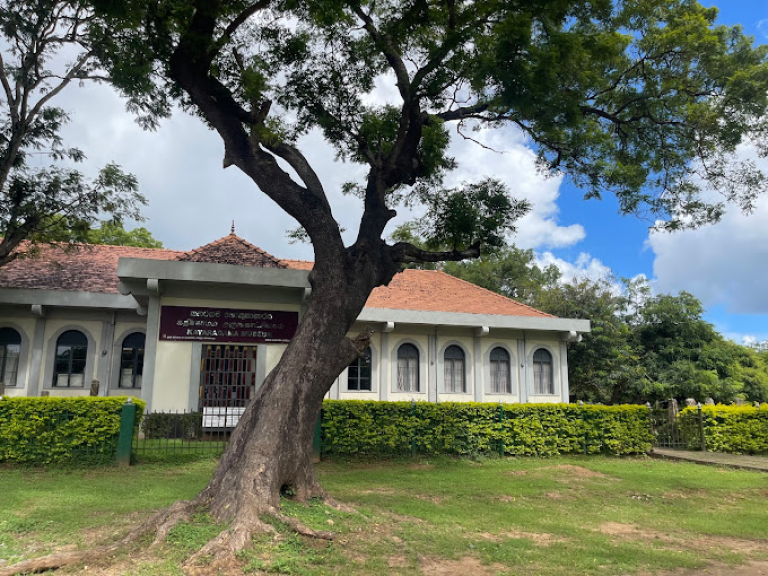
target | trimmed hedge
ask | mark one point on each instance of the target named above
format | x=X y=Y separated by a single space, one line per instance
x=186 y=425
x=733 y=429
x=53 y=430
x=469 y=428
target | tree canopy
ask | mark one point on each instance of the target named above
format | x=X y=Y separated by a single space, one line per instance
x=44 y=48
x=114 y=234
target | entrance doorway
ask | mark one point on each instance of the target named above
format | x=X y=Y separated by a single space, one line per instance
x=227 y=383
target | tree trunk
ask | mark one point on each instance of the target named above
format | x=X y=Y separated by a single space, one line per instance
x=270 y=451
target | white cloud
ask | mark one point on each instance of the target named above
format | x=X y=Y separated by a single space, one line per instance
x=722 y=264
x=762 y=27
x=585 y=267
x=512 y=162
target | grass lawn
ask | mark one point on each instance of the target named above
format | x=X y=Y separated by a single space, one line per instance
x=559 y=516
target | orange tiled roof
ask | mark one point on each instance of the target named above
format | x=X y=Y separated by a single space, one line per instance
x=84 y=268
x=232 y=250
x=298 y=264
x=93 y=268
x=436 y=291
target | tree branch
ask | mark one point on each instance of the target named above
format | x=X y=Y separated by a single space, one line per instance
x=239 y=20
x=67 y=79
x=408 y=253
x=299 y=163
x=395 y=60
x=462 y=113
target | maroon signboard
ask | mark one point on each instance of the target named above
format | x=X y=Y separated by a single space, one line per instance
x=184 y=323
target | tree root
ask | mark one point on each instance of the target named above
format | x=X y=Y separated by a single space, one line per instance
x=299 y=528
x=161 y=523
x=219 y=550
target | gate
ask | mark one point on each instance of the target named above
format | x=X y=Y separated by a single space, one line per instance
x=227 y=383
x=673 y=429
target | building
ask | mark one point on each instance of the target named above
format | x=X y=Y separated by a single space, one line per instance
x=201 y=330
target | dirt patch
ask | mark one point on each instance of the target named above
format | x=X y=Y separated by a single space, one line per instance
x=397 y=562
x=466 y=566
x=690 y=542
x=749 y=569
x=630 y=531
x=505 y=498
x=579 y=471
x=554 y=495
x=540 y=539
x=516 y=473
x=420 y=466
x=384 y=491
x=428 y=498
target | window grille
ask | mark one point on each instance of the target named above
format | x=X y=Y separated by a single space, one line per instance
x=227 y=383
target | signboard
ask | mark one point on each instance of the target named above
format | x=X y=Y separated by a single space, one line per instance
x=184 y=323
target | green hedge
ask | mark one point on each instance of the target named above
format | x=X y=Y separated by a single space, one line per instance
x=372 y=428
x=77 y=430
x=733 y=429
x=185 y=425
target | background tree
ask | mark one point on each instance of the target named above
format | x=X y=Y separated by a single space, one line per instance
x=606 y=365
x=54 y=203
x=646 y=99
x=114 y=234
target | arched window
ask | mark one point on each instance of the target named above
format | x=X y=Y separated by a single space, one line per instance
x=501 y=381
x=407 y=368
x=542 y=372
x=455 y=380
x=10 y=348
x=359 y=372
x=71 y=354
x=132 y=361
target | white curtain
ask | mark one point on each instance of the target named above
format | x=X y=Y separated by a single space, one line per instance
x=407 y=375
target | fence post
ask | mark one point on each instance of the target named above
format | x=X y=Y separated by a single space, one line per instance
x=501 y=429
x=317 y=441
x=124 y=441
x=413 y=432
x=702 y=437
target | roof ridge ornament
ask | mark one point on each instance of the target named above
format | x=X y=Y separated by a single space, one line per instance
x=232 y=230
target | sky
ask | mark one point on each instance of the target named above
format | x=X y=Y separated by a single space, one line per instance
x=193 y=201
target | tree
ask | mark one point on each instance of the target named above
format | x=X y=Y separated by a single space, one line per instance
x=510 y=271
x=646 y=99
x=113 y=234
x=53 y=203
x=606 y=365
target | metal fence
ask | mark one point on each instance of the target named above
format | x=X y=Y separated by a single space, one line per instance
x=674 y=429
x=184 y=434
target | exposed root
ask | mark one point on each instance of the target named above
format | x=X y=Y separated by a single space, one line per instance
x=229 y=542
x=336 y=505
x=161 y=522
x=220 y=550
x=299 y=528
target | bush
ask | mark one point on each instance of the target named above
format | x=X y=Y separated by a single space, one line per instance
x=468 y=428
x=733 y=429
x=187 y=426
x=61 y=430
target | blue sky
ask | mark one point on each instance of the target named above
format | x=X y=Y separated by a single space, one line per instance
x=193 y=201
